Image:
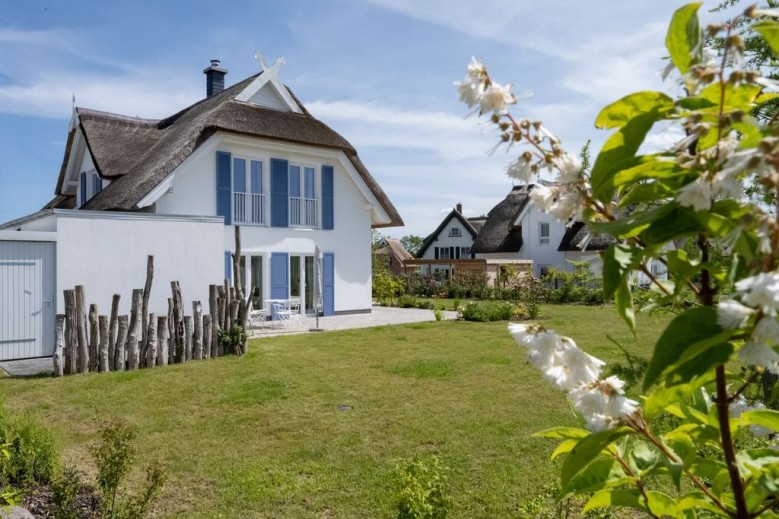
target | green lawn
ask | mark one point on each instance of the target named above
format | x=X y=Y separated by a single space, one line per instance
x=263 y=436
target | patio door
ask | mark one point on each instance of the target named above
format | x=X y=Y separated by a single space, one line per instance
x=301 y=281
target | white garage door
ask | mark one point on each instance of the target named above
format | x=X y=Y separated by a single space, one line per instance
x=26 y=299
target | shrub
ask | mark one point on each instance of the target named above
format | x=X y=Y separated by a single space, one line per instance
x=488 y=311
x=422 y=489
x=64 y=494
x=407 y=301
x=579 y=286
x=32 y=454
x=439 y=313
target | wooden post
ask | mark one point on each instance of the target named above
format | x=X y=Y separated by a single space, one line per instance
x=162 y=340
x=226 y=324
x=237 y=264
x=234 y=308
x=178 y=325
x=59 y=346
x=81 y=328
x=151 y=344
x=134 y=333
x=171 y=333
x=187 y=353
x=112 y=325
x=197 y=337
x=120 y=360
x=146 y=294
x=71 y=340
x=103 y=350
x=207 y=327
x=243 y=313
x=94 y=337
x=213 y=311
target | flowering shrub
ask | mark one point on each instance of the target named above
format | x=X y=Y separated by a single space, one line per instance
x=693 y=192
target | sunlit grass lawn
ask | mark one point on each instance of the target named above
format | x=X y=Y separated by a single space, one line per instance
x=263 y=436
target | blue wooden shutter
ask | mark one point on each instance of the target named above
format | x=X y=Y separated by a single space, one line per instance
x=97 y=185
x=328 y=207
x=228 y=265
x=82 y=185
x=328 y=283
x=279 y=275
x=279 y=183
x=256 y=172
x=223 y=186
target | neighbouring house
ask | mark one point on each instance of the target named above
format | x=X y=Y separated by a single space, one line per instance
x=394 y=254
x=452 y=239
x=249 y=155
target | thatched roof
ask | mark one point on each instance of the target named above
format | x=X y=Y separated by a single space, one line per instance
x=395 y=248
x=576 y=233
x=137 y=154
x=499 y=234
x=477 y=222
x=432 y=236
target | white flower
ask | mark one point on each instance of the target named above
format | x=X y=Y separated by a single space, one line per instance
x=496 y=99
x=476 y=71
x=545 y=350
x=542 y=197
x=603 y=403
x=578 y=368
x=696 y=194
x=544 y=133
x=570 y=168
x=522 y=169
x=727 y=186
x=760 y=291
x=568 y=205
x=732 y=314
x=470 y=92
x=759 y=349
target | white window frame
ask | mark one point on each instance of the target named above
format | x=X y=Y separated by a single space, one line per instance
x=304 y=212
x=89 y=177
x=465 y=252
x=441 y=253
x=455 y=232
x=544 y=238
x=255 y=206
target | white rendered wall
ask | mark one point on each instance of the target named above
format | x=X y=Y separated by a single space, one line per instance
x=546 y=254
x=194 y=192
x=444 y=240
x=107 y=254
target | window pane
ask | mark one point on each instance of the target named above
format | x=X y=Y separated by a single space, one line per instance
x=239 y=175
x=294 y=276
x=309 y=179
x=294 y=181
x=256 y=166
x=256 y=282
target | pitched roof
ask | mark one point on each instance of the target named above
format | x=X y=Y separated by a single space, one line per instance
x=499 y=234
x=477 y=222
x=137 y=154
x=396 y=248
x=432 y=236
x=577 y=232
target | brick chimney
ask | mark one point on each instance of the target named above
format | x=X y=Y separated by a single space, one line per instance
x=459 y=208
x=215 y=78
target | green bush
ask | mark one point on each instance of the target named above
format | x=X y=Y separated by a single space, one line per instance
x=579 y=286
x=407 y=301
x=32 y=453
x=488 y=311
x=423 y=491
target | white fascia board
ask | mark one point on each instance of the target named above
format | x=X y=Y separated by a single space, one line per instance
x=378 y=216
x=74 y=157
x=162 y=188
x=28 y=236
x=263 y=79
x=121 y=215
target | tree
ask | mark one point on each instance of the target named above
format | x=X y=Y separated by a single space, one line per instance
x=412 y=243
x=625 y=455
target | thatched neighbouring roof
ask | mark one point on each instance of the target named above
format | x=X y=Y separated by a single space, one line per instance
x=576 y=233
x=394 y=247
x=432 y=236
x=499 y=234
x=477 y=222
x=137 y=154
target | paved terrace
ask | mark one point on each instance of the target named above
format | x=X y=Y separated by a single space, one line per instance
x=379 y=316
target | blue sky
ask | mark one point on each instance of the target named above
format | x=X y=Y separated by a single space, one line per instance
x=380 y=72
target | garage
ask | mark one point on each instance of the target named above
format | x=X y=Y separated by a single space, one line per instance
x=27 y=296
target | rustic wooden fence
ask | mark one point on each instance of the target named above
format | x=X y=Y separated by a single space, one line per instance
x=87 y=341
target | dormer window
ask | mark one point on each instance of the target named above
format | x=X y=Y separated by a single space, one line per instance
x=89 y=184
x=455 y=232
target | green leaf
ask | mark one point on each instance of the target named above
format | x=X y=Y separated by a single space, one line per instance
x=769 y=30
x=604 y=473
x=660 y=505
x=699 y=360
x=623 y=300
x=763 y=417
x=564 y=448
x=649 y=167
x=617 y=263
x=756 y=459
x=642 y=458
x=695 y=329
x=619 y=113
x=684 y=37
x=736 y=97
x=661 y=397
x=698 y=501
x=587 y=450
x=695 y=103
x=562 y=433
x=621 y=146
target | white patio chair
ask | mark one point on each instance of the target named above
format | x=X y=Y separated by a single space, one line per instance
x=282 y=313
x=257 y=318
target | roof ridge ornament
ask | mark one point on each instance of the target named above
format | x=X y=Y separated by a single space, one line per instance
x=273 y=69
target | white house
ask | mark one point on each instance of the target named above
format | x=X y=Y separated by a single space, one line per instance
x=517 y=229
x=249 y=155
x=452 y=239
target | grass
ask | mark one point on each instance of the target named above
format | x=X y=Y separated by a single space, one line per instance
x=311 y=426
